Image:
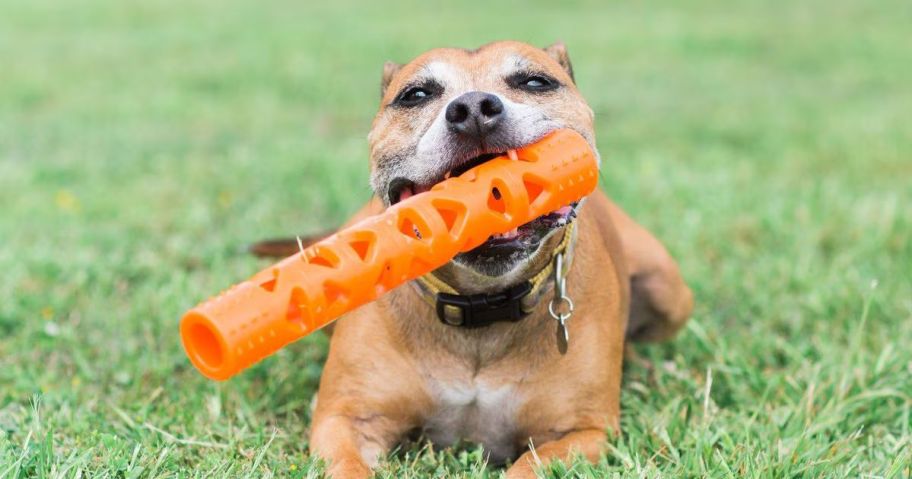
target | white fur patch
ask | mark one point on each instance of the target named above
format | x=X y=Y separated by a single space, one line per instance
x=371 y=452
x=512 y=63
x=443 y=72
x=475 y=412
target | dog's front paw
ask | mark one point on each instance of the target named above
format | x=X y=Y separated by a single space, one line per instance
x=348 y=469
x=521 y=470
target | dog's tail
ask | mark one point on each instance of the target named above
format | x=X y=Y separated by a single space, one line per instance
x=284 y=247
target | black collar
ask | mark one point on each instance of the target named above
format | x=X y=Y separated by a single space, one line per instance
x=479 y=310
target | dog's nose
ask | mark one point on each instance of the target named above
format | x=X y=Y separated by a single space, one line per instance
x=474 y=114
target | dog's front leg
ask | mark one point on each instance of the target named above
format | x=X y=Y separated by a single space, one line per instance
x=351 y=446
x=587 y=442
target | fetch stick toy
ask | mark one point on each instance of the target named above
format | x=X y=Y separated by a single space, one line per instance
x=307 y=291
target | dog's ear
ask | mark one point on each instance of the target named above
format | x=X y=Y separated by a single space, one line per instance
x=389 y=71
x=558 y=51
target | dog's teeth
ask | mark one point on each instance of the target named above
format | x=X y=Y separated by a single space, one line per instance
x=508 y=235
x=512 y=154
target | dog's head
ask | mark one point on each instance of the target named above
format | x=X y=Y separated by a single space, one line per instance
x=451 y=109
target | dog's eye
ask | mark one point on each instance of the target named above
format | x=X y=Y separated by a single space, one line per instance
x=416 y=95
x=535 y=82
x=532 y=82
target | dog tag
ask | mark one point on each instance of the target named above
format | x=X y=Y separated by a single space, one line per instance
x=563 y=337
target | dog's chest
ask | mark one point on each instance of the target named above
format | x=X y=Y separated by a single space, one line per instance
x=478 y=411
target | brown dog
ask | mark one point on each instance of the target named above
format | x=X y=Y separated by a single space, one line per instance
x=489 y=363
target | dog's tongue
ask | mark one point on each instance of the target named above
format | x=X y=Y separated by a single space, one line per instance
x=412 y=191
x=565 y=210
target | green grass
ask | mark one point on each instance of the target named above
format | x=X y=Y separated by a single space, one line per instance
x=142 y=144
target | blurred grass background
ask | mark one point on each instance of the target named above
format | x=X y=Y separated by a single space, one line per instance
x=143 y=144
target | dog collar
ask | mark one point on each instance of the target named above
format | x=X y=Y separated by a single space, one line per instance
x=484 y=309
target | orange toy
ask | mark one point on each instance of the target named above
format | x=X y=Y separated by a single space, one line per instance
x=307 y=291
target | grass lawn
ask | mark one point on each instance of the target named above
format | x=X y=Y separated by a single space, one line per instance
x=143 y=144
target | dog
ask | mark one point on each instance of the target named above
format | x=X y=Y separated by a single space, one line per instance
x=488 y=348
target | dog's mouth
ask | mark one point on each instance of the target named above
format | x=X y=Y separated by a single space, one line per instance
x=525 y=238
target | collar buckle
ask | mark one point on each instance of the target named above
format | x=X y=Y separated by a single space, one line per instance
x=479 y=310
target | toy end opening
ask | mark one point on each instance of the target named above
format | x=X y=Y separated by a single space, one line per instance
x=203 y=344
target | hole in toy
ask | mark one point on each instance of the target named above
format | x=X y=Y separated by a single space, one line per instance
x=324 y=257
x=205 y=346
x=496 y=202
x=296 y=307
x=269 y=285
x=448 y=217
x=533 y=188
x=414 y=228
x=362 y=247
x=451 y=212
